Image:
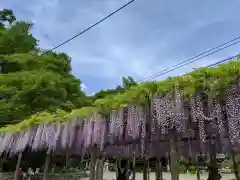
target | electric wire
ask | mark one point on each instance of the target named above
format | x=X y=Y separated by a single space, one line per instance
x=222 y=61
x=191 y=60
x=211 y=65
x=90 y=27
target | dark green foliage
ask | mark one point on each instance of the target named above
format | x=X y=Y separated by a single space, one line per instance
x=29 y=82
x=192 y=169
x=182 y=168
x=17 y=39
x=127 y=83
x=7 y=16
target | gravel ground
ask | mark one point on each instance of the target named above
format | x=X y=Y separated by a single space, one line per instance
x=167 y=176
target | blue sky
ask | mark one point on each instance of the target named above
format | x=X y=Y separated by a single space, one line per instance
x=144 y=38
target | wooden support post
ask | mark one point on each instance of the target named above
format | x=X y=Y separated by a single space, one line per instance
x=67 y=160
x=173 y=156
x=213 y=172
x=235 y=165
x=117 y=163
x=101 y=167
x=66 y=164
x=148 y=170
x=16 y=174
x=191 y=156
x=160 y=170
x=157 y=169
x=134 y=166
x=47 y=162
x=145 y=167
x=97 y=169
x=198 y=170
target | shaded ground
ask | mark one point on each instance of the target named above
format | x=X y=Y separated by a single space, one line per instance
x=167 y=176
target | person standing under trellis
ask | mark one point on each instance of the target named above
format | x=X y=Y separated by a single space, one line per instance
x=106 y=166
x=213 y=174
x=123 y=172
x=20 y=174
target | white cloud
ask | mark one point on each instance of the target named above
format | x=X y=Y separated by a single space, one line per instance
x=83 y=86
x=139 y=41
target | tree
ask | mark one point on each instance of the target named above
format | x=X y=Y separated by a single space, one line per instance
x=6 y=16
x=17 y=39
x=57 y=62
x=127 y=83
x=30 y=82
x=28 y=92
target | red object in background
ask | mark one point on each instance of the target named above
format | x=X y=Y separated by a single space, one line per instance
x=20 y=172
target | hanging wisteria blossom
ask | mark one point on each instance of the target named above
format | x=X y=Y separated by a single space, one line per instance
x=179 y=119
x=116 y=124
x=232 y=108
x=121 y=134
x=37 y=139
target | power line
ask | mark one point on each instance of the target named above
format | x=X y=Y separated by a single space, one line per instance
x=222 y=61
x=170 y=70
x=82 y=32
x=185 y=61
x=208 y=66
x=90 y=27
x=193 y=59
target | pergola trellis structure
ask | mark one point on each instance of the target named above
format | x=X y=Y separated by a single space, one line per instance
x=197 y=112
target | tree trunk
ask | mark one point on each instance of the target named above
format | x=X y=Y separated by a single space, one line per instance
x=46 y=166
x=198 y=170
x=67 y=160
x=16 y=174
x=145 y=176
x=99 y=169
x=92 y=164
x=148 y=171
x=160 y=171
x=2 y=162
x=235 y=165
x=159 y=174
x=173 y=157
x=213 y=173
x=116 y=167
x=196 y=157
